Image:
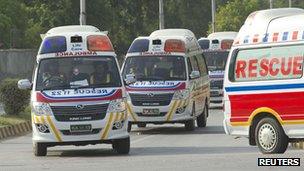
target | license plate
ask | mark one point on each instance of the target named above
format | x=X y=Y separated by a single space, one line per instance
x=150 y=111
x=80 y=128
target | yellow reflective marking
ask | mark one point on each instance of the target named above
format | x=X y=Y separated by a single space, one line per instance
x=37 y=118
x=116 y=116
x=171 y=111
x=55 y=131
x=106 y=129
x=131 y=112
x=33 y=118
x=42 y=119
x=122 y=115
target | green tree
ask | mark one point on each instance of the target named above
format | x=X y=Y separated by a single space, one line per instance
x=12 y=23
x=230 y=16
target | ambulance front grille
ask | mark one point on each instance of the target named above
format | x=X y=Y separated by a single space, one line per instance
x=84 y=113
x=150 y=99
x=217 y=84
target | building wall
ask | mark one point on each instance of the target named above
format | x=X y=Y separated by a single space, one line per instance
x=17 y=63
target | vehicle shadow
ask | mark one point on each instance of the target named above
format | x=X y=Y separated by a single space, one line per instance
x=153 y=151
x=101 y=152
x=172 y=130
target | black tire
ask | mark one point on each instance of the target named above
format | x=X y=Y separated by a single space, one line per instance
x=129 y=127
x=121 y=146
x=269 y=128
x=190 y=125
x=40 y=149
x=141 y=125
x=201 y=120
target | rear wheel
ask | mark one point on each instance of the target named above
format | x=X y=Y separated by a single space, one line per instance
x=201 y=120
x=121 y=146
x=40 y=149
x=141 y=125
x=270 y=136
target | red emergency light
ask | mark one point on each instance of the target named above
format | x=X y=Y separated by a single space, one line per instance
x=174 y=45
x=226 y=44
x=99 y=43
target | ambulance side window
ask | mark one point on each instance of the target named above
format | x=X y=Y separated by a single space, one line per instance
x=194 y=63
x=273 y=63
x=189 y=66
x=202 y=64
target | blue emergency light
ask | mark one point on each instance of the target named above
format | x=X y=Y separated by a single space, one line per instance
x=53 y=45
x=139 y=45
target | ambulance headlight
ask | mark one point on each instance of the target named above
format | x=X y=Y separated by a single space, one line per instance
x=40 y=108
x=117 y=105
x=181 y=94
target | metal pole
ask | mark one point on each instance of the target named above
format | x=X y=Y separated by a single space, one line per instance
x=270 y=4
x=213 y=15
x=290 y=3
x=161 y=15
x=82 y=17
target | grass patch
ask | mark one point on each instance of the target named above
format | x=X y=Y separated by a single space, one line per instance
x=15 y=119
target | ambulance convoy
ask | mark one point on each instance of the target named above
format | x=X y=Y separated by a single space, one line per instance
x=216 y=48
x=171 y=80
x=263 y=85
x=78 y=96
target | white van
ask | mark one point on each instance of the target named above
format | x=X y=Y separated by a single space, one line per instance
x=263 y=85
x=216 y=48
x=172 y=84
x=77 y=92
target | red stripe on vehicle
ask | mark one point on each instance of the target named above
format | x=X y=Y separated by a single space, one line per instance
x=289 y=105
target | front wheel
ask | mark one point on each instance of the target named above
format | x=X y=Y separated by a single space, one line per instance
x=129 y=127
x=190 y=125
x=121 y=146
x=40 y=149
x=202 y=118
x=270 y=136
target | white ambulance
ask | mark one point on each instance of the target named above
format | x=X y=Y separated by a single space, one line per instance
x=172 y=84
x=216 y=48
x=263 y=85
x=77 y=92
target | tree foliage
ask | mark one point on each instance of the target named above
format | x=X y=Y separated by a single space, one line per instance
x=231 y=15
x=22 y=21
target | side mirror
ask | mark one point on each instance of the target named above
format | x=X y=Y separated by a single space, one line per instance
x=130 y=79
x=24 y=84
x=194 y=74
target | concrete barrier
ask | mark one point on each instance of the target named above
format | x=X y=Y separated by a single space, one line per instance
x=298 y=145
x=13 y=130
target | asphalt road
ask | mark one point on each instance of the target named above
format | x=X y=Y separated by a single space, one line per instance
x=165 y=147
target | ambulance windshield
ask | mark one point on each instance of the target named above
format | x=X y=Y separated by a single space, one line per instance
x=77 y=72
x=216 y=60
x=156 y=68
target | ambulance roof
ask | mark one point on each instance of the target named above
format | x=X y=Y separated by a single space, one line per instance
x=73 y=29
x=75 y=40
x=272 y=25
x=165 y=42
x=222 y=35
x=172 y=32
